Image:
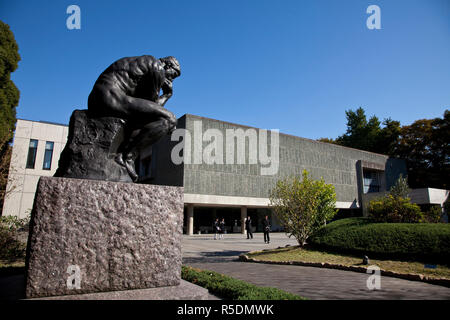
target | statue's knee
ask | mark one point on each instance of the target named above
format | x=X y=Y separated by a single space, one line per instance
x=173 y=122
x=169 y=124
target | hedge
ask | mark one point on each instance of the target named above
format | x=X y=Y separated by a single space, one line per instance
x=428 y=242
x=233 y=289
x=11 y=247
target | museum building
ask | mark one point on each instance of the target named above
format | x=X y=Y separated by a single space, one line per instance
x=227 y=170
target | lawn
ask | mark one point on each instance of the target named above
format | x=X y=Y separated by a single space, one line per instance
x=316 y=256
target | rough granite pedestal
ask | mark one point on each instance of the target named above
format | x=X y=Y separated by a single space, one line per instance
x=91 y=236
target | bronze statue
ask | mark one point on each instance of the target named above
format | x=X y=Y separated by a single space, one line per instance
x=126 y=94
x=129 y=89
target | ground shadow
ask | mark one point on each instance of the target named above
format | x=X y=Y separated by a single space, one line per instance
x=12 y=287
x=214 y=257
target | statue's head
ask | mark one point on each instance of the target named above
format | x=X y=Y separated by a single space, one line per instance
x=171 y=66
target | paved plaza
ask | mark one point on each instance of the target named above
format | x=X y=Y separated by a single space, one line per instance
x=204 y=252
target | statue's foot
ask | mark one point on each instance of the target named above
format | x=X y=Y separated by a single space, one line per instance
x=119 y=160
x=129 y=164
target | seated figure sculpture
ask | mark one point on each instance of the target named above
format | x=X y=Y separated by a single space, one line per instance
x=129 y=89
x=125 y=95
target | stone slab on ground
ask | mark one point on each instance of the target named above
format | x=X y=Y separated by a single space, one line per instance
x=184 y=291
x=116 y=236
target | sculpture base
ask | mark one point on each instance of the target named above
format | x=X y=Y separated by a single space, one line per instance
x=184 y=291
x=95 y=236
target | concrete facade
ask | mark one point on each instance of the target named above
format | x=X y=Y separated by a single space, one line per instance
x=22 y=181
x=242 y=185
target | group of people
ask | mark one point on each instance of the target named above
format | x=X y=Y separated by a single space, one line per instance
x=219 y=228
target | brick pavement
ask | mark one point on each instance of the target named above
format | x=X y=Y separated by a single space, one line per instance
x=315 y=283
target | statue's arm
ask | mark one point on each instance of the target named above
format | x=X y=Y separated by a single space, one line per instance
x=167 y=92
x=140 y=109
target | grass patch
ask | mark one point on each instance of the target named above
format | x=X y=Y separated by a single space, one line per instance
x=12 y=267
x=427 y=242
x=316 y=256
x=229 y=288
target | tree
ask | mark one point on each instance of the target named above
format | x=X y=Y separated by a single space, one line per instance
x=9 y=94
x=425 y=145
x=369 y=135
x=400 y=189
x=361 y=134
x=4 y=170
x=327 y=140
x=9 y=99
x=388 y=137
x=303 y=206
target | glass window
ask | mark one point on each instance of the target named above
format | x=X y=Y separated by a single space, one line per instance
x=145 y=168
x=371 y=181
x=32 y=150
x=48 y=155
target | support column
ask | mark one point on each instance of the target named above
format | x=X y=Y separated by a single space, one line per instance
x=444 y=214
x=190 y=220
x=243 y=217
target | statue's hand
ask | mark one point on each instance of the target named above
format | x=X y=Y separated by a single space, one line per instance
x=167 y=87
x=167 y=90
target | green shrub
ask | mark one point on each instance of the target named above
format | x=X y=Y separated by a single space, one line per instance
x=230 y=288
x=400 y=189
x=429 y=242
x=394 y=209
x=302 y=206
x=11 y=247
x=14 y=223
x=395 y=206
x=433 y=214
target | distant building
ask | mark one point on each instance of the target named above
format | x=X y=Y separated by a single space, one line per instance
x=36 y=149
x=233 y=191
x=219 y=189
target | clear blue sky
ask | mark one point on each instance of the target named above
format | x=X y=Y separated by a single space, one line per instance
x=289 y=65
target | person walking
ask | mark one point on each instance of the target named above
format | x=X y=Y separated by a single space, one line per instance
x=216 y=227
x=266 y=228
x=222 y=228
x=248 y=227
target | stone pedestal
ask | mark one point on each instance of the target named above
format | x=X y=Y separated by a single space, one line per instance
x=184 y=291
x=91 y=236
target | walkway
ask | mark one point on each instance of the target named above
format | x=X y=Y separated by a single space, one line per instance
x=204 y=252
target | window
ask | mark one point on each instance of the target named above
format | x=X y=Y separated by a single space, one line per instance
x=32 y=150
x=371 y=181
x=145 y=169
x=48 y=155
